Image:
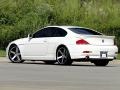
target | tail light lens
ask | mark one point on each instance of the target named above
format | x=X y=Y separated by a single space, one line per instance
x=81 y=42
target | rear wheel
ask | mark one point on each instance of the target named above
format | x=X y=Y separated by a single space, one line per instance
x=14 y=54
x=101 y=62
x=63 y=56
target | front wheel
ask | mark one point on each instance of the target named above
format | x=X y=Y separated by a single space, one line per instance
x=14 y=54
x=63 y=56
x=101 y=62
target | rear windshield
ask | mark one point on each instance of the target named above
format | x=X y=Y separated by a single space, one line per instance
x=84 y=31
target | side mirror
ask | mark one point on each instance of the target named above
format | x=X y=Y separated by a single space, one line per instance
x=29 y=36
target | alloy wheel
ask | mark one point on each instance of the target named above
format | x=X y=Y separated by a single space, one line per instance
x=63 y=57
x=14 y=55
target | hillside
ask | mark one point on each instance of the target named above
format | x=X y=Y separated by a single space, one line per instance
x=20 y=17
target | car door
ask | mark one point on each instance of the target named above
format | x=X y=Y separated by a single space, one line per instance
x=37 y=45
x=56 y=38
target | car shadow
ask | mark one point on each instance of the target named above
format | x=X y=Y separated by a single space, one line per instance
x=81 y=64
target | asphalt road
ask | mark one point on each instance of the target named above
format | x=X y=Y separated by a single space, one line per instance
x=39 y=76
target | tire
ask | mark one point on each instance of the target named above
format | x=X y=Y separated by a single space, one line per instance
x=101 y=62
x=63 y=56
x=14 y=54
x=49 y=62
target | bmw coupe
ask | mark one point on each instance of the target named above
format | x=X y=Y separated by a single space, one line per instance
x=64 y=44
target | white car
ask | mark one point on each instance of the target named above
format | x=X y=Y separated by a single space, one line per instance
x=64 y=44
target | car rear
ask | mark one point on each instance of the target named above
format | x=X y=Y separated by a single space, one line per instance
x=91 y=45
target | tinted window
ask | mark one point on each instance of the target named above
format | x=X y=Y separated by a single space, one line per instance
x=41 y=33
x=84 y=31
x=50 y=32
x=58 y=32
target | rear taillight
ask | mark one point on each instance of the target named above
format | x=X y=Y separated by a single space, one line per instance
x=81 y=42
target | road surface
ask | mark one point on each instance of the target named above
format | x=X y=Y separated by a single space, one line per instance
x=40 y=76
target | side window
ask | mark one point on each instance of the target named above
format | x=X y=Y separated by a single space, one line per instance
x=58 y=32
x=40 y=33
x=50 y=32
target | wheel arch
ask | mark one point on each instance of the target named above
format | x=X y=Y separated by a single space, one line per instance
x=11 y=45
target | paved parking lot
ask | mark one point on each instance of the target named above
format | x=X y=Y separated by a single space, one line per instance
x=39 y=76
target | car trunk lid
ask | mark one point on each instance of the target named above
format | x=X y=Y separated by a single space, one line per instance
x=98 y=39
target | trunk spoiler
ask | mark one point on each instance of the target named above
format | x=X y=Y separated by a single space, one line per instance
x=95 y=36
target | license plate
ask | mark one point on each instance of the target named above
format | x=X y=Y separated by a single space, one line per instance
x=103 y=54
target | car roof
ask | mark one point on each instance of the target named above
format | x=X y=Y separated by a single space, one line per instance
x=67 y=27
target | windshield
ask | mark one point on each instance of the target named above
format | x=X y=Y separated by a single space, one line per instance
x=84 y=31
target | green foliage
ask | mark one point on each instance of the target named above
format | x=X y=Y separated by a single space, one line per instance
x=20 y=17
x=118 y=57
x=2 y=53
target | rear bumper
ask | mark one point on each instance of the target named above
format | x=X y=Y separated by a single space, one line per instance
x=76 y=52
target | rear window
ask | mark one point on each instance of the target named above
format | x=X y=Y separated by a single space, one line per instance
x=84 y=31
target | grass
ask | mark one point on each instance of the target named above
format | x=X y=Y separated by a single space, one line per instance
x=118 y=57
x=2 y=53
